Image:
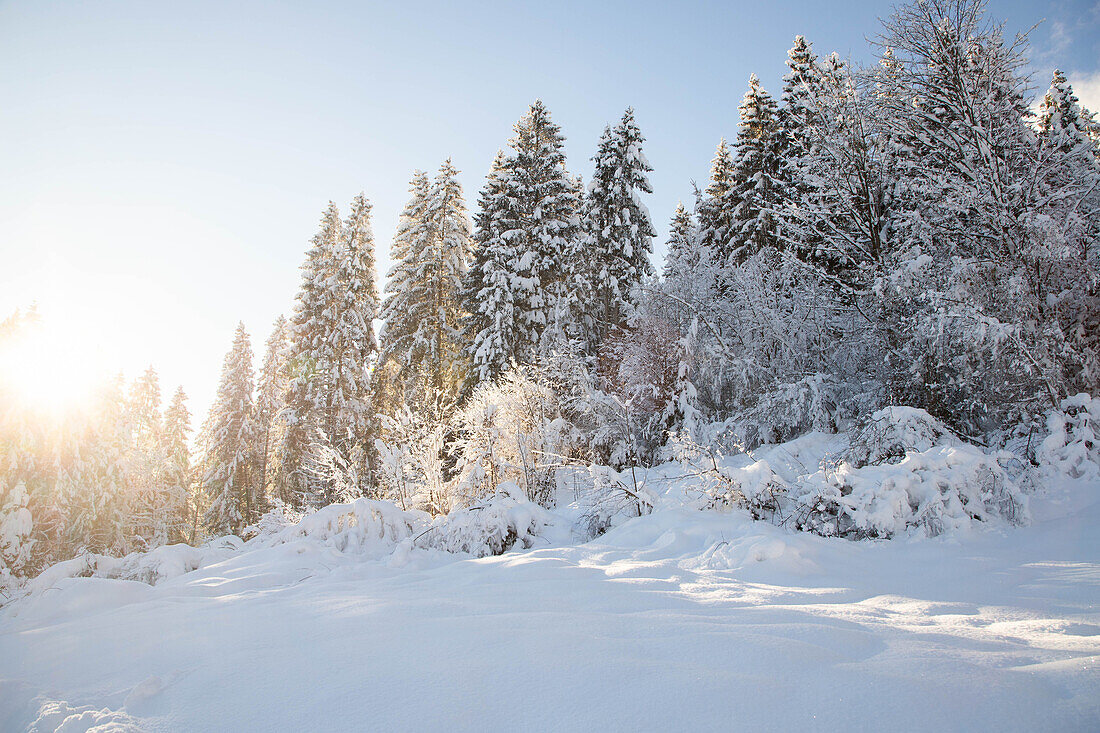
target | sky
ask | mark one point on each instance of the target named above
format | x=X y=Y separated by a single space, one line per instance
x=166 y=164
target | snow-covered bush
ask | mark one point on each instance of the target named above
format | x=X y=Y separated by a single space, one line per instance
x=274 y=521
x=367 y=526
x=904 y=472
x=513 y=430
x=493 y=526
x=607 y=497
x=412 y=462
x=940 y=489
x=1073 y=447
x=755 y=488
x=789 y=410
x=152 y=567
x=893 y=432
x=16 y=525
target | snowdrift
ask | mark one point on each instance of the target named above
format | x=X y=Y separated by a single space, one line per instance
x=899 y=473
x=683 y=596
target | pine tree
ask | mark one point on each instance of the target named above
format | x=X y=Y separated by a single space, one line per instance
x=230 y=479
x=682 y=247
x=527 y=248
x=1070 y=175
x=548 y=227
x=329 y=405
x=305 y=415
x=714 y=209
x=756 y=174
x=176 y=471
x=422 y=335
x=352 y=346
x=798 y=119
x=618 y=233
x=270 y=402
x=487 y=294
x=145 y=463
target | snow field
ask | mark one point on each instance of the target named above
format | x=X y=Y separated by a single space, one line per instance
x=357 y=618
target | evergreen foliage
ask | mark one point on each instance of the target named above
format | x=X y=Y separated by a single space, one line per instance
x=618 y=234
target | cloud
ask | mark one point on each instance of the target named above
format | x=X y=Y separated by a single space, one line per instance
x=1059 y=38
x=1087 y=88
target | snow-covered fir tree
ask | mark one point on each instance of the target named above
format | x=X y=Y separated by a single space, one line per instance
x=1070 y=174
x=230 y=479
x=528 y=285
x=487 y=295
x=798 y=121
x=682 y=252
x=171 y=518
x=618 y=234
x=422 y=335
x=756 y=174
x=271 y=395
x=351 y=345
x=146 y=459
x=329 y=405
x=715 y=206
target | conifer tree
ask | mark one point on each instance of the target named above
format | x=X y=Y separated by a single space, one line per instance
x=270 y=401
x=329 y=405
x=488 y=296
x=683 y=250
x=422 y=335
x=756 y=174
x=798 y=119
x=1070 y=174
x=352 y=345
x=618 y=233
x=714 y=209
x=305 y=414
x=537 y=213
x=176 y=473
x=230 y=479
x=145 y=462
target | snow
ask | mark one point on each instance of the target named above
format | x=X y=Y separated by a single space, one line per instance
x=679 y=620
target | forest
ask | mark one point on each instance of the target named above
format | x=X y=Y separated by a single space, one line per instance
x=904 y=249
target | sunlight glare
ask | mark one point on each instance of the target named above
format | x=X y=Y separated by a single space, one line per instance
x=50 y=367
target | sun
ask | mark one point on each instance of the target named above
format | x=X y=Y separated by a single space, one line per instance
x=49 y=366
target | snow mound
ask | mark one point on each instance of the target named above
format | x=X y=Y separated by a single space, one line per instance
x=503 y=521
x=893 y=432
x=942 y=489
x=902 y=473
x=151 y=567
x=1072 y=448
x=363 y=526
x=55 y=716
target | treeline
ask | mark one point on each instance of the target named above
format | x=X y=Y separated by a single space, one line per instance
x=112 y=475
x=907 y=234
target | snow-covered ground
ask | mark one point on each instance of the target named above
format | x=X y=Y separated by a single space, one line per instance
x=680 y=620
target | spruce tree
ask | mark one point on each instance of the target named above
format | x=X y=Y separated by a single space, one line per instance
x=618 y=233
x=756 y=174
x=270 y=402
x=352 y=346
x=798 y=119
x=529 y=254
x=230 y=479
x=422 y=335
x=329 y=406
x=683 y=250
x=488 y=296
x=176 y=472
x=715 y=208
x=145 y=460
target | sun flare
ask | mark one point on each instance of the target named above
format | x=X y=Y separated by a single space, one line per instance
x=49 y=367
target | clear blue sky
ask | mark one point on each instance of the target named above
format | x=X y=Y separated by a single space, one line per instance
x=165 y=164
